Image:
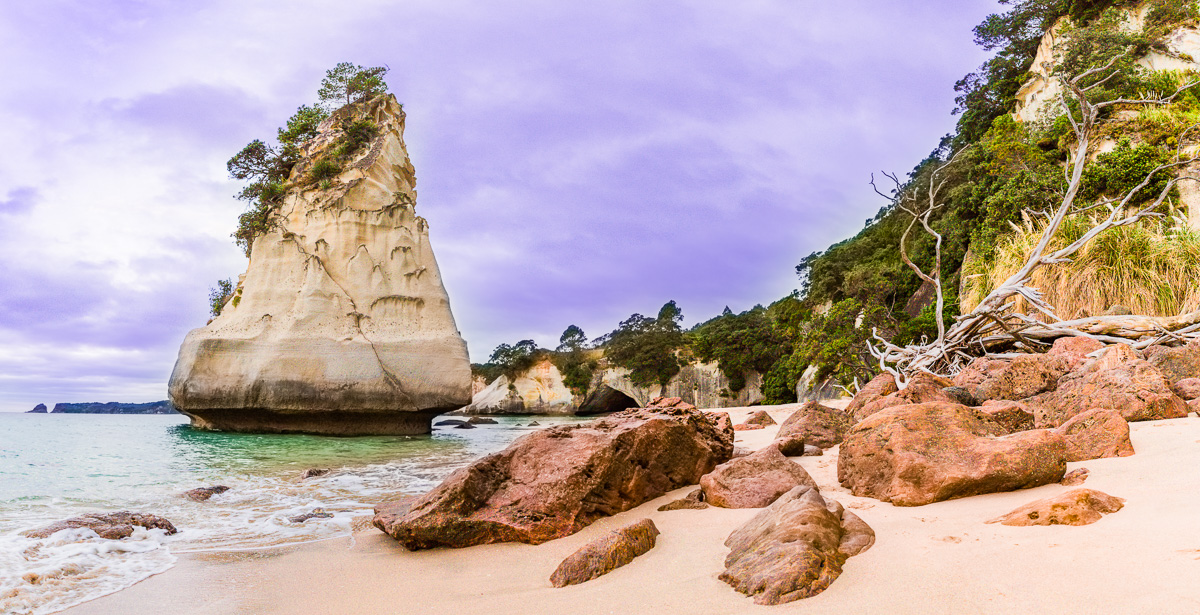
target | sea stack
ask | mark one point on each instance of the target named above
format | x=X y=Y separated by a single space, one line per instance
x=341 y=324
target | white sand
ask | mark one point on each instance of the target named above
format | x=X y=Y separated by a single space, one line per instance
x=940 y=558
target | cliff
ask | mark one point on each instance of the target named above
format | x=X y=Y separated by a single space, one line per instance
x=341 y=323
x=540 y=390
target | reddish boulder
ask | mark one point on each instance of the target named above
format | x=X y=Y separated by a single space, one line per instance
x=1074 y=350
x=723 y=422
x=691 y=501
x=1096 y=434
x=1176 y=363
x=1117 y=379
x=605 y=554
x=760 y=418
x=669 y=402
x=1013 y=416
x=553 y=482
x=1074 y=477
x=1188 y=388
x=880 y=386
x=818 y=425
x=923 y=453
x=753 y=481
x=1075 y=507
x=795 y=548
x=791 y=446
x=921 y=388
x=201 y=494
x=747 y=427
x=113 y=526
x=1011 y=379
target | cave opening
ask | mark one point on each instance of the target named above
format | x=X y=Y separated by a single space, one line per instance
x=605 y=400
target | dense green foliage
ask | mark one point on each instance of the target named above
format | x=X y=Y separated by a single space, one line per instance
x=267 y=169
x=218 y=295
x=739 y=343
x=647 y=346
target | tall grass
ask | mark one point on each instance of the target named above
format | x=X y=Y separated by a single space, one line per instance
x=1152 y=268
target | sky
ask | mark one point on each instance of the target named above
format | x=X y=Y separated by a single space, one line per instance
x=578 y=162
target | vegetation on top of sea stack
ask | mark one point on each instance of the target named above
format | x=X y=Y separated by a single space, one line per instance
x=268 y=168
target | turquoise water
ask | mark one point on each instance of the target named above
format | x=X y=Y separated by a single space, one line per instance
x=57 y=466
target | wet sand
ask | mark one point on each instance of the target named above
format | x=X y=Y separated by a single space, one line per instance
x=939 y=558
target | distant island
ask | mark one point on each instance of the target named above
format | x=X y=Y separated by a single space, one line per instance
x=112 y=407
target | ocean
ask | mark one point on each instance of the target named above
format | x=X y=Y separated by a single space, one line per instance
x=56 y=466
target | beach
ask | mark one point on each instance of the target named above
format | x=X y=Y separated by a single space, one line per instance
x=941 y=557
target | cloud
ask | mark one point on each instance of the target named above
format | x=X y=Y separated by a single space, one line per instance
x=18 y=201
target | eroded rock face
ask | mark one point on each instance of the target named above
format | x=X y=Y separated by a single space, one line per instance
x=921 y=388
x=1013 y=416
x=1095 y=434
x=880 y=386
x=341 y=324
x=753 y=481
x=606 y=554
x=113 y=526
x=1119 y=379
x=795 y=548
x=1176 y=363
x=923 y=453
x=1011 y=379
x=816 y=424
x=556 y=481
x=1075 y=507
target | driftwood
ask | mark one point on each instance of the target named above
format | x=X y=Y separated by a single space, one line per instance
x=993 y=328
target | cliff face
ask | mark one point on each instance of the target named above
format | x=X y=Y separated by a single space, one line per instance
x=341 y=324
x=540 y=390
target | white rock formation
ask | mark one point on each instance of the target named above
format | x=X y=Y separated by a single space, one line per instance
x=539 y=390
x=341 y=324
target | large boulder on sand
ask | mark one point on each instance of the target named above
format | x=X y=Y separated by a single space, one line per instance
x=753 y=481
x=556 y=481
x=1119 y=379
x=605 y=554
x=341 y=324
x=1075 y=507
x=1095 y=434
x=923 y=453
x=921 y=388
x=819 y=425
x=113 y=526
x=1176 y=363
x=880 y=386
x=795 y=548
x=1012 y=379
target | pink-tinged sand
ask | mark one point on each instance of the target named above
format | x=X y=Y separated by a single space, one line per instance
x=940 y=558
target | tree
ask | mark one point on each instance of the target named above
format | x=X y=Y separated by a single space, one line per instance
x=218 y=295
x=347 y=83
x=646 y=346
x=573 y=339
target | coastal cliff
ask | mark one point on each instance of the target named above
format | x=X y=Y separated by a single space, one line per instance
x=341 y=324
x=540 y=390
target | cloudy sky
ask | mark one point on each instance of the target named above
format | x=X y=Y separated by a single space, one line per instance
x=577 y=161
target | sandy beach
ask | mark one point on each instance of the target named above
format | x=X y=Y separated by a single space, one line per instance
x=941 y=557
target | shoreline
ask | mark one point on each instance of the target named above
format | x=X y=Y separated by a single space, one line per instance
x=940 y=557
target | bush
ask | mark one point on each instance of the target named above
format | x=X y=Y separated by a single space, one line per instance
x=218 y=295
x=742 y=343
x=325 y=168
x=646 y=346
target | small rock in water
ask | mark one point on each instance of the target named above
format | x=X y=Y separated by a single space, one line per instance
x=534 y=424
x=449 y=422
x=314 y=473
x=606 y=554
x=316 y=513
x=203 y=493
x=481 y=420
x=692 y=501
x=112 y=526
x=1074 y=477
x=464 y=426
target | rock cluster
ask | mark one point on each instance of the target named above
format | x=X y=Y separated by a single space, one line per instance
x=554 y=482
x=112 y=526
